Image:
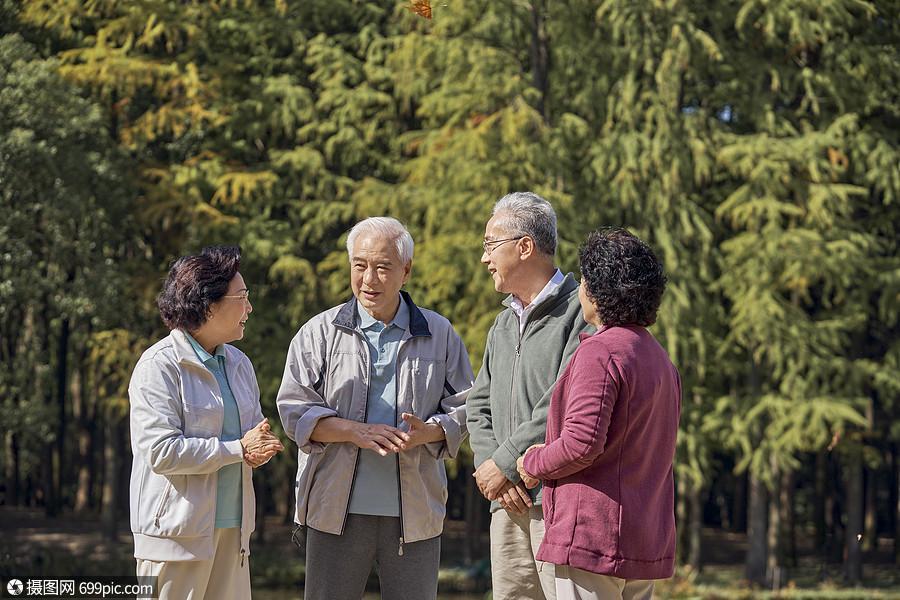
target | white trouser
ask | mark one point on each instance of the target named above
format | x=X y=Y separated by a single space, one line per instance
x=220 y=578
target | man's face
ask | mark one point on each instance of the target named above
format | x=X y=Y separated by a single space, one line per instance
x=377 y=274
x=501 y=255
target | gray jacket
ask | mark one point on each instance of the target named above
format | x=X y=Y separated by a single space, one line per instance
x=176 y=419
x=507 y=406
x=327 y=374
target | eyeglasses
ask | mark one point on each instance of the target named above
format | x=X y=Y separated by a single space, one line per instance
x=491 y=245
x=244 y=295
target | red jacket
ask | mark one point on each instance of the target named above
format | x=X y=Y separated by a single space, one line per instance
x=609 y=495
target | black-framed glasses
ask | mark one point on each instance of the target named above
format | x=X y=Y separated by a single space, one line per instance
x=491 y=245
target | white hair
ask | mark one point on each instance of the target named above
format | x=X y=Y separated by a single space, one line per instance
x=526 y=213
x=387 y=227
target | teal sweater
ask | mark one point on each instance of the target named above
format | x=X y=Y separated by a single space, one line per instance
x=507 y=407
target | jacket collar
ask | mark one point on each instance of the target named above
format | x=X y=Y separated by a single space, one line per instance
x=418 y=324
x=562 y=292
x=184 y=351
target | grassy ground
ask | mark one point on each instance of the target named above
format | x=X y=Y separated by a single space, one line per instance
x=32 y=546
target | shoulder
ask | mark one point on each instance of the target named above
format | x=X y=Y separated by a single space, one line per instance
x=158 y=361
x=237 y=357
x=160 y=353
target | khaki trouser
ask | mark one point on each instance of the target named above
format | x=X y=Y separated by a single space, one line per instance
x=577 y=584
x=220 y=578
x=515 y=573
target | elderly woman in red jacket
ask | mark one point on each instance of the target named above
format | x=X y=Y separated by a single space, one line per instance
x=610 y=442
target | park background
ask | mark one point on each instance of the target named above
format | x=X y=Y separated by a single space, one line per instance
x=755 y=144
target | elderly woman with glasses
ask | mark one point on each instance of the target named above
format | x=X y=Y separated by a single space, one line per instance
x=197 y=430
x=610 y=440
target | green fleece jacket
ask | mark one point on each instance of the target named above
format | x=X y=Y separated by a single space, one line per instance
x=506 y=410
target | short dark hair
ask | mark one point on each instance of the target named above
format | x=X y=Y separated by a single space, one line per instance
x=194 y=284
x=623 y=277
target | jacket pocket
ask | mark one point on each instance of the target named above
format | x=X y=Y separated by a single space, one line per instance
x=186 y=507
x=426 y=385
x=161 y=505
x=203 y=421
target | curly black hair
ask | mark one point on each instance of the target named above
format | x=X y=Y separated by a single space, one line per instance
x=194 y=284
x=623 y=277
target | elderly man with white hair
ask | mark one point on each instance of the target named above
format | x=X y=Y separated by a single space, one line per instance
x=374 y=396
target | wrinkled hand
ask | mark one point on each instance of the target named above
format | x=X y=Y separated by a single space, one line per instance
x=515 y=499
x=380 y=438
x=260 y=444
x=421 y=432
x=529 y=481
x=490 y=479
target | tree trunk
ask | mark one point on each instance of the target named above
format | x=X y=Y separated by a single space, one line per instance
x=62 y=376
x=853 y=546
x=788 y=532
x=11 y=468
x=111 y=460
x=774 y=560
x=819 y=501
x=895 y=454
x=85 y=436
x=695 y=527
x=739 y=510
x=681 y=521
x=870 y=523
x=540 y=55
x=755 y=567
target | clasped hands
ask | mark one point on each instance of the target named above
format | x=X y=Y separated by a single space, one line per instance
x=384 y=438
x=260 y=444
x=494 y=485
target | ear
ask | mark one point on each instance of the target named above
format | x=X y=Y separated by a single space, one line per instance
x=406 y=272
x=526 y=247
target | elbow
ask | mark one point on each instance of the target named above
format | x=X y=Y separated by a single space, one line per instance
x=161 y=459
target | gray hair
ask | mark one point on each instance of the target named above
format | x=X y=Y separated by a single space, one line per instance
x=384 y=227
x=526 y=213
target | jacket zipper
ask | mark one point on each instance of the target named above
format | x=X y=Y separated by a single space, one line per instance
x=396 y=424
x=241 y=433
x=162 y=503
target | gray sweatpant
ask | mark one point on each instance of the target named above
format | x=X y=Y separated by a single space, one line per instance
x=337 y=566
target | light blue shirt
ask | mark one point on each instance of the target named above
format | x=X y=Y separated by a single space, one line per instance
x=229 y=492
x=376 y=489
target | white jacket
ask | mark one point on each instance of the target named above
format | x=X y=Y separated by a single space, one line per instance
x=176 y=419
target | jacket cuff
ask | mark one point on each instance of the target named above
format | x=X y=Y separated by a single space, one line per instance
x=449 y=446
x=305 y=426
x=505 y=457
x=234 y=450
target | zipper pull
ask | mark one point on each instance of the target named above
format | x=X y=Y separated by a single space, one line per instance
x=157 y=522
x=400 y=551
x=517 y=349
x=242 y=556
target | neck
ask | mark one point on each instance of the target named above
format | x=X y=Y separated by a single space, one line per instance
x=387 y=315
x=533 y=281
x=206 y=339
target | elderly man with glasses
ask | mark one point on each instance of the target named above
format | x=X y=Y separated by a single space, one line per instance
x=374 y=396
x=528 y=347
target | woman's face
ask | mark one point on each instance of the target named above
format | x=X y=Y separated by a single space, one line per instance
x=587 y=307
x=228 y=316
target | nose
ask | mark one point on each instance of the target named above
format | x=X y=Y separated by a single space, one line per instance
x=249 y=306
x=485 y=257
x=369 y=276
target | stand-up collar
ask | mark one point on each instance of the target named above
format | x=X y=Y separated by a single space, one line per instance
x=348 y=316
